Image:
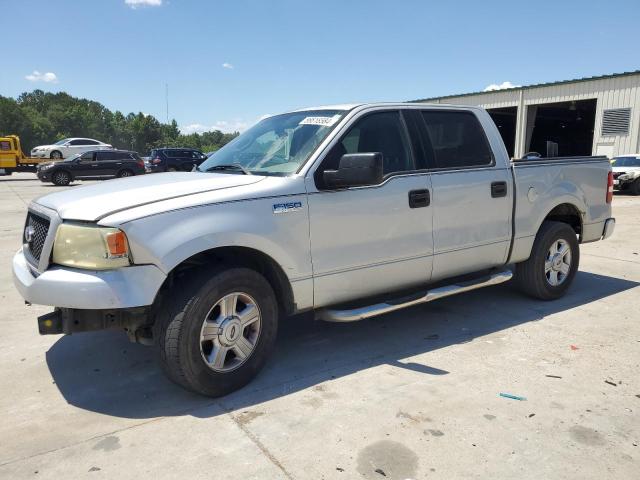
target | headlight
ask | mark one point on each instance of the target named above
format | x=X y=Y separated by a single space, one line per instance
x=90 y=247
x=45 y=167
x=624 y=177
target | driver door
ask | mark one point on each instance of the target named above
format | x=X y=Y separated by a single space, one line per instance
x=371 y=239
x=87 y=166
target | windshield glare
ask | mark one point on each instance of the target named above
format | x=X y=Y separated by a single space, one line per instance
x=626 y=162
x=277 y=145
x=60 y=142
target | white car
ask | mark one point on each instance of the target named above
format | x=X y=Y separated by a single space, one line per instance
x=68 y=147
x=626 y=173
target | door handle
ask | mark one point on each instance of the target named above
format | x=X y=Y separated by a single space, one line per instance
x=419 y=198
x=498 y=189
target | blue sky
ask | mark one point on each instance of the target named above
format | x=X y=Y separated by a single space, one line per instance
x=229 y=62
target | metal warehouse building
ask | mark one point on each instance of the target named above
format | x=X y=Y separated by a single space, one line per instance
x=587 y=116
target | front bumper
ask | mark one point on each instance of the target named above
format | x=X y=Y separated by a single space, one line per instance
x=43 y=175
x=129 y=287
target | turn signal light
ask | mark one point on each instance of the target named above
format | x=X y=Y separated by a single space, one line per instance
x=117 y=244
x=610 y=187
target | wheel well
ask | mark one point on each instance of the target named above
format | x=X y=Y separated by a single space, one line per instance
x=567 y=213
x=242 y=257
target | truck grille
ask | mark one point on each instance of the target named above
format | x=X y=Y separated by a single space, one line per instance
x=34 y=236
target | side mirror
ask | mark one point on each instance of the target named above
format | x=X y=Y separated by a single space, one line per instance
x=355 y=170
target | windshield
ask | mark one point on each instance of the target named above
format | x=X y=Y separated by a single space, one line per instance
x=72 y=157
x=277 y=145
x=626 y=162
x=60 y=142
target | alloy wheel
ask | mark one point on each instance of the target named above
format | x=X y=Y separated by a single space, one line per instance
x=230 y=332
x=557 y=264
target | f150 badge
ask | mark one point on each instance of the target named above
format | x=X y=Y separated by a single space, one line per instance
x=286 y=207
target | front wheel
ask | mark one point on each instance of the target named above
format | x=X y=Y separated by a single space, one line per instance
x=61 y=178
x=216 y=333
x=634 y=188
x=55 y=155
x=553 y=263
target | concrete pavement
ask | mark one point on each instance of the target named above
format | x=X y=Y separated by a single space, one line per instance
x=414 y=394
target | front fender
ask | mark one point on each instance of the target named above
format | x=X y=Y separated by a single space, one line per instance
x=170 y=238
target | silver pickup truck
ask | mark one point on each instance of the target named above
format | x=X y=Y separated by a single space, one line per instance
x=350 y=211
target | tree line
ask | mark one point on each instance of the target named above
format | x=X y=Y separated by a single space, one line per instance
x=42 y=118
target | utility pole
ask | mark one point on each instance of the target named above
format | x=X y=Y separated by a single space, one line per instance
x=167 y=99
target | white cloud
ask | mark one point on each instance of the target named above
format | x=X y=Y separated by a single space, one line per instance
x=227 y=65
x=500 y=86
x=237 y=125
x=143 y=3
x=222 y=125
x=48 y=77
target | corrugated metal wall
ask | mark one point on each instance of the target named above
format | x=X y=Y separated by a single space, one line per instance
x=615 y=92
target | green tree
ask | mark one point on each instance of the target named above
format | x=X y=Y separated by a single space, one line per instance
x=40 y=117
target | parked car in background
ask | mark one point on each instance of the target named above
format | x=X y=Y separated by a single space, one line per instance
x=68 y=147
x=175 y=159
x=93 y=165
x=626 y=173
x=147 y=164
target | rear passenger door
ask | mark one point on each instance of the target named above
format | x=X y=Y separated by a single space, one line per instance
x=108 y=163
x=472 y=196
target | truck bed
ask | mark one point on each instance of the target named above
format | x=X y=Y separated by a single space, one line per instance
x=547 y=184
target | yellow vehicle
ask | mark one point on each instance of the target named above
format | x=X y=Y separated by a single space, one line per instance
x=13 y=159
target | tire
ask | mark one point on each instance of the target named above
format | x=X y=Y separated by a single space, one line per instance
x=172 y=169
x=56 y=155
x=190 y=359
x=634 y=188
x=125 y=174
x=533 y=277
x=61 y=178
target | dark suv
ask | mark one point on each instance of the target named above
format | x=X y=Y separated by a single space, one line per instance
x=175 y=159
x=93 y=165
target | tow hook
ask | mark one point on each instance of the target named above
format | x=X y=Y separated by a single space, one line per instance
x=51 y=323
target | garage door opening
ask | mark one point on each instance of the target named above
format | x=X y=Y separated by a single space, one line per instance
x=568 y=124
x=505 y=120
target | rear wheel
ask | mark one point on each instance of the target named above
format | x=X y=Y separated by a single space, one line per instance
x=553 y=263
x=216 y=333
x=55 y=155
x=61 y=178
x=125 y=173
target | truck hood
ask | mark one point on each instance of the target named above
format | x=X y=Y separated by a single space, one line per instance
x=93 y=202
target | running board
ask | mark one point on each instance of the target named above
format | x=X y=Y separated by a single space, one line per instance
x=361 y=313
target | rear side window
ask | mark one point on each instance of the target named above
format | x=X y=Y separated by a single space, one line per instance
x=176 y=153
x=456 y=139
x=106 y=155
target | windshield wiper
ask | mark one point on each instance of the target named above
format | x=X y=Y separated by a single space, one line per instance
x=231 y=166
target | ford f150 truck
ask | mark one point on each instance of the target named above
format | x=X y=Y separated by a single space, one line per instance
x=351 y=211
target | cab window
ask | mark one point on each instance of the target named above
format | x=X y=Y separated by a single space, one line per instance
x=381 y=132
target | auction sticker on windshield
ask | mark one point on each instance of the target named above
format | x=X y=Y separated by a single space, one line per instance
x=322 y=121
